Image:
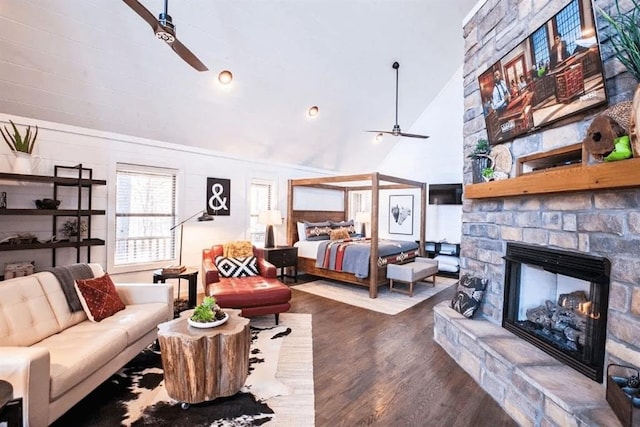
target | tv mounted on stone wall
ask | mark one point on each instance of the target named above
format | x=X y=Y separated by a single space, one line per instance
x=554 y=75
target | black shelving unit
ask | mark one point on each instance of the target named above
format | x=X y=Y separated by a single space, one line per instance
x=82 y=179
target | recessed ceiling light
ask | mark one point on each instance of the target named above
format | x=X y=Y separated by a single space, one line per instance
x=313 y=111
x=225 y=77
x=379 y=137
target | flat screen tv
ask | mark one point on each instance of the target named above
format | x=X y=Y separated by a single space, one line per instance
x=445 y=194
x=554 y=75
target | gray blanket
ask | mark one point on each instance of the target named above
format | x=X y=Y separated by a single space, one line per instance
x=67 y=275
x=357 y=253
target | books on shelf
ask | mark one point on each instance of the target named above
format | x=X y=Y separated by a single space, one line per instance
x=174 y=269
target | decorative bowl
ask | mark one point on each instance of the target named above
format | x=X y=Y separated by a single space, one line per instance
x=47 y=204
x=204 y=325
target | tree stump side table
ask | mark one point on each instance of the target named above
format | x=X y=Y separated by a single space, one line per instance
x=203 y=364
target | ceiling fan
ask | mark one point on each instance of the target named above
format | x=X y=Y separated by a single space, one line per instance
x=396 y=128
x=166 y=30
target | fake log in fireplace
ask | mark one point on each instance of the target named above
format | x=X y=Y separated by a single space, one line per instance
x=557 y=300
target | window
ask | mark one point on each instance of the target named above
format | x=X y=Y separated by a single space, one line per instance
x=145 y=213
x=260 y=199
x=568 y=24
x=540 y=47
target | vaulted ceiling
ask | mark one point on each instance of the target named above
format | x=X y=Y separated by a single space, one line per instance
x=96 y=64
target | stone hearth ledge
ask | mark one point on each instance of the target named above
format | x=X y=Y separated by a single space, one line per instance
x=533 y=387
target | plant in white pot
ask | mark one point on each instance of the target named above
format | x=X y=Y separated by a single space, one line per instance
x=208 y=314
x=21 y=146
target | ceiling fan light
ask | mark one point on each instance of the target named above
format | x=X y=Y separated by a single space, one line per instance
x=225 y=77
x=164 y=36
x=313 y=111
x=379 y=137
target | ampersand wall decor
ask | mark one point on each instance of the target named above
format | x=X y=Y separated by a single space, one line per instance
x=218 y=196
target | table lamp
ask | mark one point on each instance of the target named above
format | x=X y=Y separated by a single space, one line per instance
x=363 y=218
x=269 y=218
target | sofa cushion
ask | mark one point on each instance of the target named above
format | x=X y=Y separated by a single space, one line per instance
x=79 y=351
x=136 y=320
x=237 y=267
x=241 y=248
x=26 y=316
x=99 y=297
x=66 y=318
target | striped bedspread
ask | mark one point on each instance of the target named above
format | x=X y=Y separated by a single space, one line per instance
x=352 y=256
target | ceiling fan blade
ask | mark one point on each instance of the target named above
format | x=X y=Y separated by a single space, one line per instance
x=380 y=131
x=413 y=135
x=143 y=12
x=187 y=55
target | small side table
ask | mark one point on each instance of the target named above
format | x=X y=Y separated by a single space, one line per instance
x=10 y=408
x=190 y=274
x=283 y=257
x=203 y=364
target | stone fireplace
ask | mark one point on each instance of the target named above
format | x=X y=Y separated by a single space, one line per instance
x=532 y=386
x=557 y=301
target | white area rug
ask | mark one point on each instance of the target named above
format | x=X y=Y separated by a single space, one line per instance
x=387 y=302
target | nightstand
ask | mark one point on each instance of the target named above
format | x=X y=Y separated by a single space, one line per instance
x=283 y=257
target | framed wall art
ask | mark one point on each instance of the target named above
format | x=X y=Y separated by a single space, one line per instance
x=218 y=196
x=401 y=214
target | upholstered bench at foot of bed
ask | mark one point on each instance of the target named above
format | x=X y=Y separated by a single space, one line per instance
x=255 y=295
x=412 y=272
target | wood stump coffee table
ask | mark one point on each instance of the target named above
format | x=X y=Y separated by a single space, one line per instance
x=204 y=364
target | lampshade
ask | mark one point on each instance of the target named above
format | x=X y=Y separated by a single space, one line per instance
x=270 y=217
x=363 y=217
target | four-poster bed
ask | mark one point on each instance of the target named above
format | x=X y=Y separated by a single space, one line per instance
x=375 y=182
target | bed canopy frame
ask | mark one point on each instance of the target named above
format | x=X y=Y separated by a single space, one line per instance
x=374 y=182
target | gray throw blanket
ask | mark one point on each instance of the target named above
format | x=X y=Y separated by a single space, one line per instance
x=67 y=275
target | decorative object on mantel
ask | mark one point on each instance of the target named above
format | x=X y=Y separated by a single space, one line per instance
x=480 y=160
x=72 y=230
x=605 y=128
x=502 y=161
x=626 y=45
x=21 y=146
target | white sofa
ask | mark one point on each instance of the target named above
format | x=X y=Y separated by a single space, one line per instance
x=53 y=357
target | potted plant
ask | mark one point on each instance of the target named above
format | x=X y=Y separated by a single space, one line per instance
x=480 y=160
x=207 y=314
x=72 y=230
x=21 y=146
x=625 y=39
x=487 y=174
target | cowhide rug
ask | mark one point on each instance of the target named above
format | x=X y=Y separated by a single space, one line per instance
x=136 y=396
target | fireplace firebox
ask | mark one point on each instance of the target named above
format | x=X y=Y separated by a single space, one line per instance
x=557 y=300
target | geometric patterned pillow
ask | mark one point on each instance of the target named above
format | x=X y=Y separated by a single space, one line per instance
x=237 y=266
x=99 y=297
x=317 y=230
x=470 y=292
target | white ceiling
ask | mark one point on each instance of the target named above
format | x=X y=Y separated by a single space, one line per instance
x=97 y=64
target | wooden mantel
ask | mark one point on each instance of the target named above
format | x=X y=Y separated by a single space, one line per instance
x=609 y=175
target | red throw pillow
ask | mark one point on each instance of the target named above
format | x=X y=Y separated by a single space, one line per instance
x=99 y=297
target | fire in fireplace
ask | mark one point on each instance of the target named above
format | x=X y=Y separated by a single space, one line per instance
x=557 y=300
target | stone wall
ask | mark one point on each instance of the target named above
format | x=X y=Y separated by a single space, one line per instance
x=604 y=223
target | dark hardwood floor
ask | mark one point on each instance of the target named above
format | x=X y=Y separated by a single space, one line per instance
x=372 y=369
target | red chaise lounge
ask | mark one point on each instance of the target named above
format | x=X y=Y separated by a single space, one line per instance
x=254 y=295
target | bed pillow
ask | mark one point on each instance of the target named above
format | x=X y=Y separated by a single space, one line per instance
x=237 y=266
x=469 y=295
x=317 y=230
x=99 y=297
x=349 y=225
x=301 y=231
x=339 y=234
